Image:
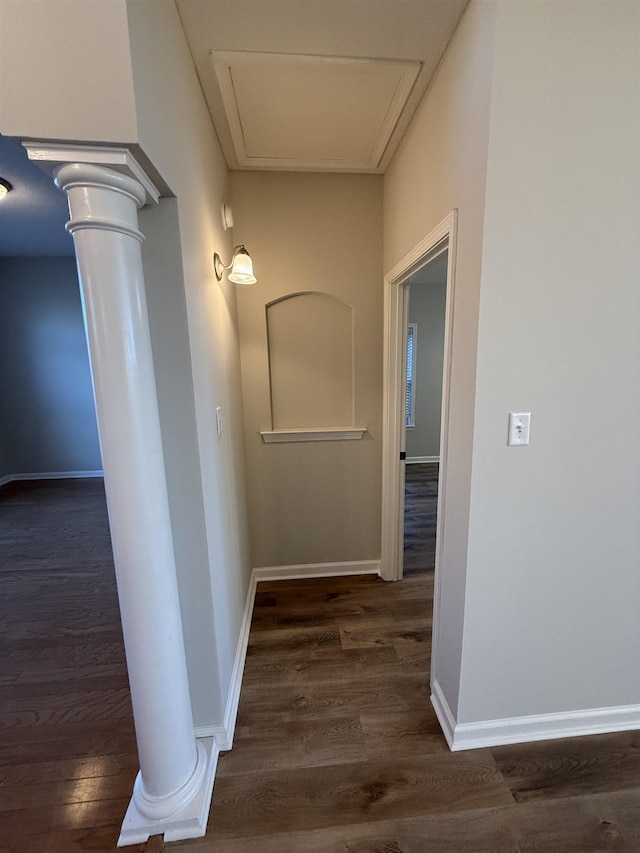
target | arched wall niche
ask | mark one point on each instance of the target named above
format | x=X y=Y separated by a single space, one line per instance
x=310 y=340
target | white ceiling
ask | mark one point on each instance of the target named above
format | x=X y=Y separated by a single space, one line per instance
x=315 y=85
x=310 y=113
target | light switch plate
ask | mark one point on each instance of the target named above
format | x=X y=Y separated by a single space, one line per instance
x=219 y=419
x=519 y=428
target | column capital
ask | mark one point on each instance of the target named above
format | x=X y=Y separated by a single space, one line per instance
x=100 y=198
x=89 y=175
x=50 y=156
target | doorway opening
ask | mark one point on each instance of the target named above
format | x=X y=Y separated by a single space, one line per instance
x=441 y=240
x=425 y=295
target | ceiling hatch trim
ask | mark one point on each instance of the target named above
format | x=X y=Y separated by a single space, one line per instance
x=311 y=113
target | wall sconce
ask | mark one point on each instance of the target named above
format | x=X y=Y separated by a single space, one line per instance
x=241 y=267
x=5 y=187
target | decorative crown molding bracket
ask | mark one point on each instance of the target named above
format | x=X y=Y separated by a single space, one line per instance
x=51 y=155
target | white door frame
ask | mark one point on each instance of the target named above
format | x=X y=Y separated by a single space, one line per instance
x=442 y=237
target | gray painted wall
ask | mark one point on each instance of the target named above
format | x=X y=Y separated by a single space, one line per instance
x=312 y=502
x=441 y=165
x=166 y=306
x=552 y=600
x=174 y=130
x=426 y=309
x=48 y=421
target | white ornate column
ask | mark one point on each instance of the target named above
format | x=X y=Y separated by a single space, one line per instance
x=172 y=791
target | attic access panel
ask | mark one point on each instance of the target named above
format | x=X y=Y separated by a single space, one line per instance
x=311 y=113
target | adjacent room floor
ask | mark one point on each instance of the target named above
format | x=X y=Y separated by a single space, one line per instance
x=420 y=505
x=337 y=748
x=67 y=747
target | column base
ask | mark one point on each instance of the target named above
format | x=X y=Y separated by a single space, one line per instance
x=189 y=822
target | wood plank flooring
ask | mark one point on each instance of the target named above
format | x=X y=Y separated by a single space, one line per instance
x=337 y=748
x=67 y=748
x=421 y=498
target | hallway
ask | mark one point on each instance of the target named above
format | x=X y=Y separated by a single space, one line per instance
x=337 y=747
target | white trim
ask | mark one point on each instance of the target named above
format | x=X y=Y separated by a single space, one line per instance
x=418 y=256
x=51 y=475
x=413 y=327
x=48 y=155
x=443 y=712
x=461 y=736
x=224 y=60
x=317 y=570
x=278 y=436
x=223 y=732
x=190 y=822
x=392 y=430
x=421 y=460
x=546 y=727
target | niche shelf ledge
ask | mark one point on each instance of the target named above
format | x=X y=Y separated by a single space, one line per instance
x=279 y=436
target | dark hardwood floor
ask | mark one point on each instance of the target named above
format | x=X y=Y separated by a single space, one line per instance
x=67 y=747
x=337 y=749
x=420 y=505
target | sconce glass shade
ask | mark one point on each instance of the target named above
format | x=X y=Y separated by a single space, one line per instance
x=5 y=187
x=242 y=268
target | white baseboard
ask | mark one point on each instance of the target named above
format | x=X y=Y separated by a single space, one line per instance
x=531 y=728
x=420 y=460
x=223 y=732
x=443 y=713
x=51 y=475
x=317 y=570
